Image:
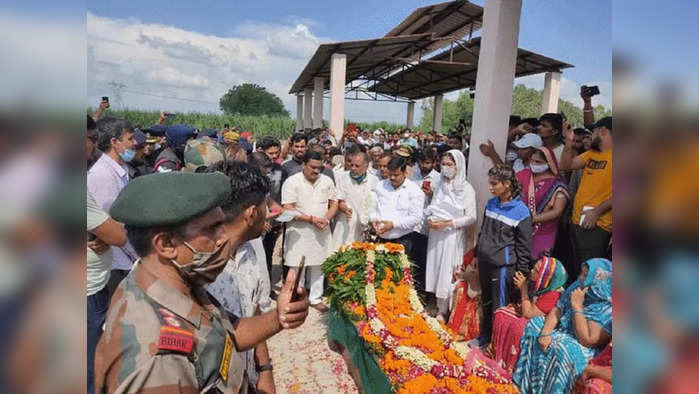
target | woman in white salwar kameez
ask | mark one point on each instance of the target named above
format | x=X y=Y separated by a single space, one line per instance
x=452 y=210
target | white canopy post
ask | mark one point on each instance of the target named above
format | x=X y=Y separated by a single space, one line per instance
x=494 y=85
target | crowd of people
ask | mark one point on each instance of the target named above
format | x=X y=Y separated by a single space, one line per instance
x=165 y=250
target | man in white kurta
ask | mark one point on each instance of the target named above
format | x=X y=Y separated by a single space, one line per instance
x=355 y=196
x=308 y=236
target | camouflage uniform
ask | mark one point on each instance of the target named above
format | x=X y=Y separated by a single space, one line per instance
x=202 y=151
x=159 y=339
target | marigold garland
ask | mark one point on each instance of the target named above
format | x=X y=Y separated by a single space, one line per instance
x=373 y=286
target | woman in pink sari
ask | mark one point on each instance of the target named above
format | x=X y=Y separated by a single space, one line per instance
x=545 y=283
x=546 y=194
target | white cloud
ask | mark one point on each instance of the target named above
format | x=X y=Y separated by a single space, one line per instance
x=159 y=63
x=156 y=61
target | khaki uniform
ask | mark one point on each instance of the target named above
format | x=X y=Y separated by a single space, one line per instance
x=159 y=339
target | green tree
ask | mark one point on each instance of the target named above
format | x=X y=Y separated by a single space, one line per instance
x=526 y=102
x=251 y=100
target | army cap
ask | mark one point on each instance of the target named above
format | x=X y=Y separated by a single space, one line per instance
x=204 y=152
x=170 y=198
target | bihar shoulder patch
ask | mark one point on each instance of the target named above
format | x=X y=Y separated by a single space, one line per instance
x=173 y=338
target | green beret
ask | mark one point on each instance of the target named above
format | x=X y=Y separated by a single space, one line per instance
x=170 y=198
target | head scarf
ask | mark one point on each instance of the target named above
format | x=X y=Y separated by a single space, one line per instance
x=597 y=306
x=599 y=279
x=552 y=276
x=550 y=159
x=459 y=182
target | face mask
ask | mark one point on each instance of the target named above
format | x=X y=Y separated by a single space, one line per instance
x=157 y=146
x=538 y=168
x=359 y=178
x=449 y=172
x=205 y=266
x=127 y=155
x=511 y=156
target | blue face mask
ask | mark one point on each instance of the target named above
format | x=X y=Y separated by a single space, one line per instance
x=127 y=155
x=359 y=178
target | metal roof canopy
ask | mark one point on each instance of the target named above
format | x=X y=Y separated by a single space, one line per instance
x=449 y=21
x=362 y=57
x=431 y=27
x=455 y=69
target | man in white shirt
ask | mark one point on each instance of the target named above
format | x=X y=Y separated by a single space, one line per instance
x=355 y=195
x=308 y=236
x=107 y=177
x=397 y=215
x=425 y=176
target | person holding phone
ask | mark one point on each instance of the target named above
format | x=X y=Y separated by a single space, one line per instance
x=165 y=333
x=592 y=206
x=104 y=104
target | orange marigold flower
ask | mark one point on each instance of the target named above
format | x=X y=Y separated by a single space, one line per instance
x=350 y=274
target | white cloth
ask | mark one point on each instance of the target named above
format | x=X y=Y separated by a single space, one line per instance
x=454 y=200
x=98 y=265
x=105 y=180
x=304 y=239
x=315 y=278
x=403 y=206
x=359 y=198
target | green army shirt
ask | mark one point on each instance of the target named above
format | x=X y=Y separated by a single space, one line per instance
x=158 y=339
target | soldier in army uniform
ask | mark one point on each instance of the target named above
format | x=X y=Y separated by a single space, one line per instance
x=163 y=333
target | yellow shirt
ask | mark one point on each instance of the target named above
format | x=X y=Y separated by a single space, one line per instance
x=595 y=186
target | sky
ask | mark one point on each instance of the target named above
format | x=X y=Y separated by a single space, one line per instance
x=182 y=56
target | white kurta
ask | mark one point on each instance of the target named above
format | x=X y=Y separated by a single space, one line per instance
x=359 y=198
x=304 y=239
x=445 y=247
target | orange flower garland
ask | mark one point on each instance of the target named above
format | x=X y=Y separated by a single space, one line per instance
x=407 y=329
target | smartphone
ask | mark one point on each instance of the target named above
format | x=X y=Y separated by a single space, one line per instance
x=300 y=272
x=171 y=115
x=591 y=90
x=105 y=98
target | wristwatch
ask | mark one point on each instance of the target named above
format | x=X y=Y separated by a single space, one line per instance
x=265 y=367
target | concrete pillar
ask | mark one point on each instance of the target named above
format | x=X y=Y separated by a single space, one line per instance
x=307 y=108
x=411 y=115
x=299 y=111
x=437 y=115
x=338 y=70
x=493 y=102
x=549 y=97
x=318 y=89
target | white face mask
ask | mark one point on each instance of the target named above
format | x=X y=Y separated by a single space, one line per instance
x=449 y=172
x=511 y=156
x=538 y=168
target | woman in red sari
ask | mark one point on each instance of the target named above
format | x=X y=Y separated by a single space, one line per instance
x=465 y=319
x=597 y=376
x=545 y=192
x=546 y=281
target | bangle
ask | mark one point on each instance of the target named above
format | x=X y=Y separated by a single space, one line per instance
x=582 y=312
x=265 y=367
x=541 y=334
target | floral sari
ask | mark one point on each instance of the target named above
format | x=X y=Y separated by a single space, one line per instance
x=508 y=324
x=556 y=369
x=540 y=196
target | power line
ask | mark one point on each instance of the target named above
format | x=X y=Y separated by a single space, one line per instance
x=169 y=97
